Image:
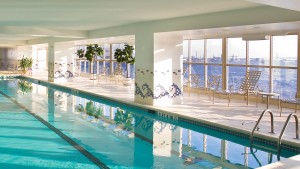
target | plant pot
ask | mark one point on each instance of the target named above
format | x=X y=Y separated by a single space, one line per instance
x=93 y=77
x=127 y=82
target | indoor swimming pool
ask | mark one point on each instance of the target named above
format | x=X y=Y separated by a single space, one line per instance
x=47 y=126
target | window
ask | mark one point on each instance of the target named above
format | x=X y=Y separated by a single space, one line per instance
x=264 y=80
x=236 y=51
x=285 y=82
x=185 y=51
x=236 y=75
x=279 y=75
x=259 y=52
x=197 y=51
x=214 y=50
x=285 y=50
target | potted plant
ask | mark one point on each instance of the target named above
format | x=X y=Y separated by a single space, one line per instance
x=79 y=108
x=25 y=63
x=80 y=53
x=98 y=112
x=126 y=56
x=90 y=110
x=125 y=118
x=91 y=52
x=25 y=86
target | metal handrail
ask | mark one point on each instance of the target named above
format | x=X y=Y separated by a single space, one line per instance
x=283 y=130
x=272 y=124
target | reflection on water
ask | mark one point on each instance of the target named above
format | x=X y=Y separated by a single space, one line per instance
x=127 y=137
x=24 y=86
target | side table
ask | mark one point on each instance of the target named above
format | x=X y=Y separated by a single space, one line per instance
x=267 y=95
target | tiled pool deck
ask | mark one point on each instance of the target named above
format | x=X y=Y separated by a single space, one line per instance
x=237 y=115
x=198 y=107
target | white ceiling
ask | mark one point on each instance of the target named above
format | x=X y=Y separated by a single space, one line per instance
x=31 y=19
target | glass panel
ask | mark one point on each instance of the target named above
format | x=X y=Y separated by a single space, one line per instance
x=82 y=65
x=236 y=51
x=107 y=64
x=186 y=73
x=95 y=67
x=87 y=67
x=198 y=69
x=106 y=49
x=285 y=82
x=214 y=50
x=264 y=80
x=236 y=75
x=197 y=51
x=236 y=153
x=197 y=141
x=123 y=65
x=214 y=146
x=285 y=50
x=214 y=70
x=132 y=71
x=259 y=52
x=185 y=51
x=100 y=66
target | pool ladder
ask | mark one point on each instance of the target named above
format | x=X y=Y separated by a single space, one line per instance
x=283 y=130
x=272 y=129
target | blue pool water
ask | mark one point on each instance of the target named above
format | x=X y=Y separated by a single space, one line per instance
x=44 y=128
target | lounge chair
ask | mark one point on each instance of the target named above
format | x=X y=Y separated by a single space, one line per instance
x=213 y=84
x=117 y=75
x=103 y=73
x=295 y=101
x=193 y=82
x=247 y=87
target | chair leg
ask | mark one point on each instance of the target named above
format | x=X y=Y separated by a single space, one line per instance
x=280 y=109
x=229 y=99
x=247 y=98
x=213 y=97
x=208 y=93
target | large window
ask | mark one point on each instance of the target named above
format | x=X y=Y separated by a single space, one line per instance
x=276 y=58
x=197 y=51
x=107 y=60
x=285 y=50
x=202 y=61
x=236 y=53
x=259 y=52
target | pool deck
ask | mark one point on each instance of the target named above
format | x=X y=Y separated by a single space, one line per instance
x=198 y=107
x=237 y=115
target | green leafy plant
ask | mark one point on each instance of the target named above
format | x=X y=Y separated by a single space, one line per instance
x=80 y=53
x=91 y=52
x=125 y=55
x=79 y=108
x=98 y=112
x=89 y=108
x=25 y=63
x=125 y=118
x=25 y=86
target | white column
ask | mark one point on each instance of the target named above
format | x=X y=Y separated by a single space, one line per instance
x=144 y=68
x=224 y=149
x=189 y=143
x=168 y=68
x=204 y=143
x=158 y=68
x=51 y=61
